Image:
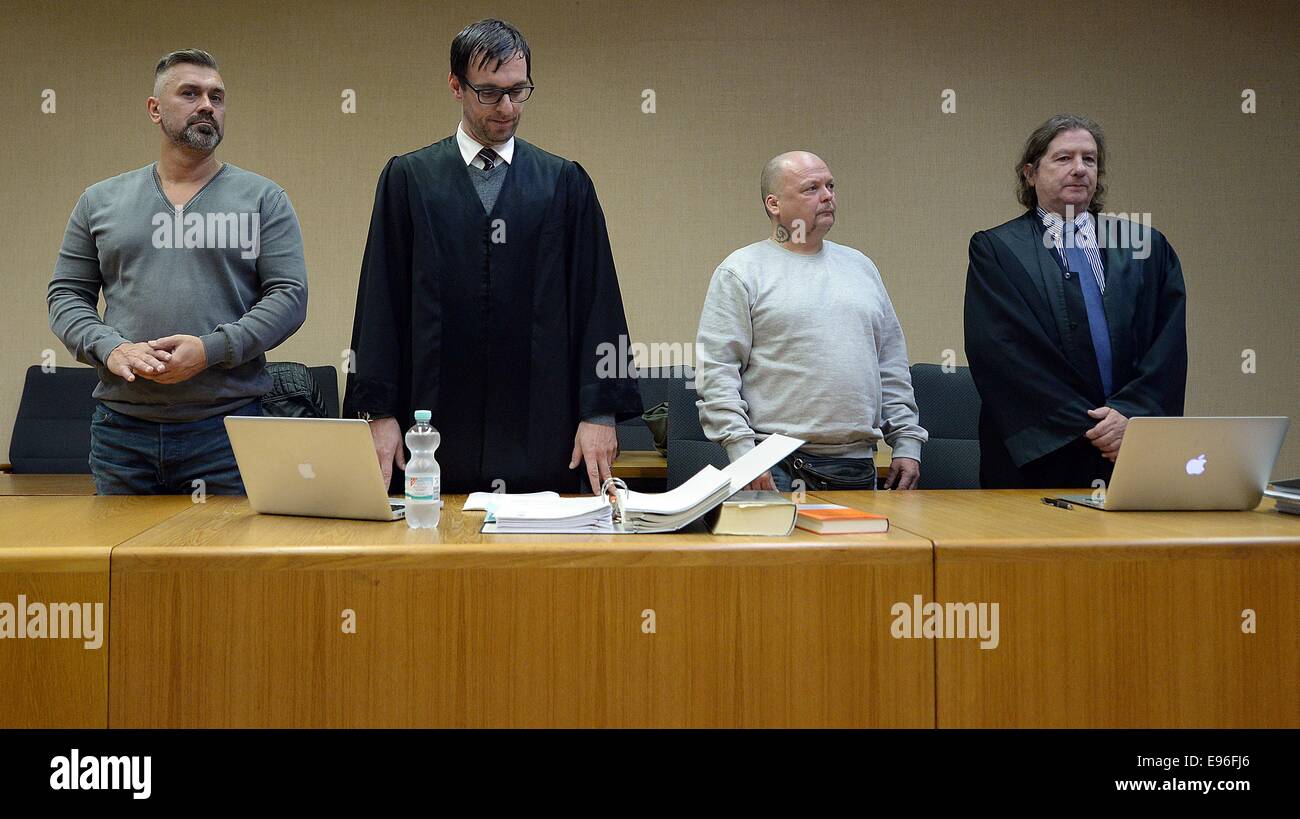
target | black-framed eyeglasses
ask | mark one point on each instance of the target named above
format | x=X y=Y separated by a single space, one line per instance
x=492 y=96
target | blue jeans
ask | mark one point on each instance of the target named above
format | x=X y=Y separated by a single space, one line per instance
x=129 y=456
x=781 y=478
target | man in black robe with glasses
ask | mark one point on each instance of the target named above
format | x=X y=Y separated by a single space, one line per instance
x=488 y=296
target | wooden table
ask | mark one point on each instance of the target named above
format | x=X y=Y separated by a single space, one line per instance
x=640 y=464
x=222 y=617
x=54 y=551
x=22 y=484
x=1110 y=618
x=226 y=618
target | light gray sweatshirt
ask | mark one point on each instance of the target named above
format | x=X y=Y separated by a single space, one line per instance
x=807 y=346
x=228 y=269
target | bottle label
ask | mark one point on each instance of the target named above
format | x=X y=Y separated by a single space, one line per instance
x=422 y=487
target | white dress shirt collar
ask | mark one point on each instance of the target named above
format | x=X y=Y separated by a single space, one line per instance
x=1053 y=221
x=469 y=147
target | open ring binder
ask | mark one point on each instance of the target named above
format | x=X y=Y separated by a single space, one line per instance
x=616 y=490
x=619 y=510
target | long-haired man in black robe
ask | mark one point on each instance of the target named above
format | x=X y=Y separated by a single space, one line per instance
x=488 y=294
x=1075 y=320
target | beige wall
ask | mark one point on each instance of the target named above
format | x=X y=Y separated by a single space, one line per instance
x=735 y=83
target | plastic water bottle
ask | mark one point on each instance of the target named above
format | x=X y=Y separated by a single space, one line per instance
x=423 y=475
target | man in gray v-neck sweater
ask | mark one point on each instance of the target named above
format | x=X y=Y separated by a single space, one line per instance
x=194 y=295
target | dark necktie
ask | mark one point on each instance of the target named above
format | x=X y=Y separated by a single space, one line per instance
x=489 y=158
x=1078 y=264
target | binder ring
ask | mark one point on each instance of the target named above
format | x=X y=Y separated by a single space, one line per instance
x=616 y=488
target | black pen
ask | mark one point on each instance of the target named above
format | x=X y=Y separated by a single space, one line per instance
x=1058 y=503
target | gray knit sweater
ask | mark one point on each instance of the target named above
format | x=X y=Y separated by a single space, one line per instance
x=807 y=346
x=229 y=269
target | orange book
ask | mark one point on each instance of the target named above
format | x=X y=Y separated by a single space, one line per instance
x=832 y=519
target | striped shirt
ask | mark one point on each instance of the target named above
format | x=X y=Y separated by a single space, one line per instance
x=1082 y=234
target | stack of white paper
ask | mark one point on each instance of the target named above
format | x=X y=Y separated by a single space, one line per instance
x=478 y=501
x=670 y=511
x=523 y=513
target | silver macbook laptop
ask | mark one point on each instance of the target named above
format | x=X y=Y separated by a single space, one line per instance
x=1191 y=463
x=318 y=467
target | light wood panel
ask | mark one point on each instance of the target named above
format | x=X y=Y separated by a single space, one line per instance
x=1111 y=619
x=56 y=550
x=226 y=618
x=11 y=485
x=640 y=464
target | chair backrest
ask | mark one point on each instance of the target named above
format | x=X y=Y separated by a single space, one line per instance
x=949 y=406
x=689 y=449
x=51 y=432
x=327 y=378
x=655 y=385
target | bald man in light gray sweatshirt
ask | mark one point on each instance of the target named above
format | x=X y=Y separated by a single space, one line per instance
x=799 y=337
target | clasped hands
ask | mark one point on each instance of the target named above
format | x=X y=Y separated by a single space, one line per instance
x=168 y=360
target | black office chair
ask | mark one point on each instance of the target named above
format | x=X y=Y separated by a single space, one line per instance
x=299 y=391
x=655 y=385
x=949 y=406
x=327 y=379
x=51 y=432
x=688 y=448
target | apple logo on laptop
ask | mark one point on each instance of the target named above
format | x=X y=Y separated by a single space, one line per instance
x=1196 y=465
x=307 y=472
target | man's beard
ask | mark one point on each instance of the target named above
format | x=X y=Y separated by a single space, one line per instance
x=191 y=137
x=487 y=134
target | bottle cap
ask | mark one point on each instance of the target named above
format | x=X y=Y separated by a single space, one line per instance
x=423 y=416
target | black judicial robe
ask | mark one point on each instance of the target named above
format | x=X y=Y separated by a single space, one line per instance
x=1032 y=359
x=498 y=339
